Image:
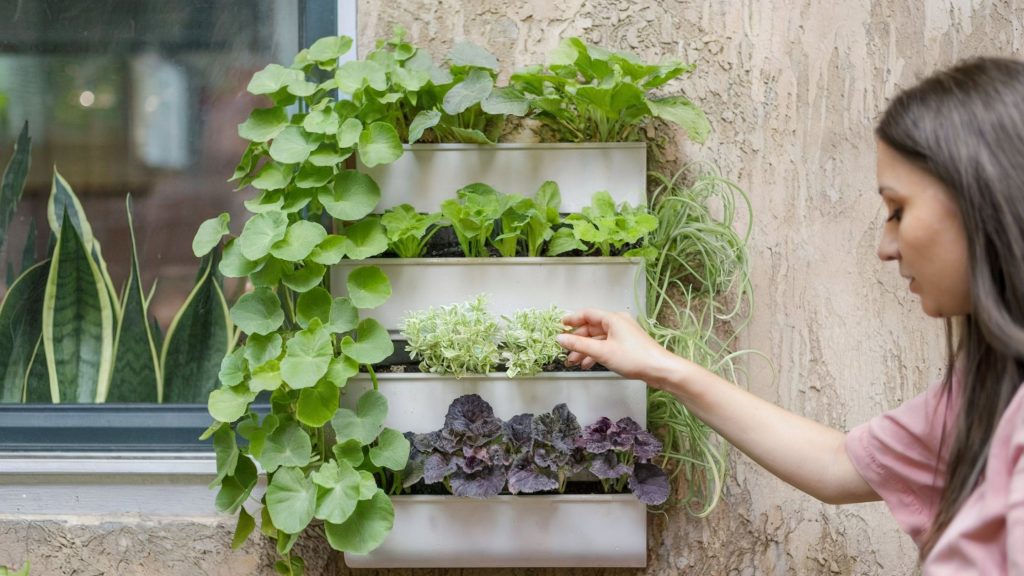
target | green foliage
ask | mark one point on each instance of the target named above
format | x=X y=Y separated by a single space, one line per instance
x=529 y=341
x=301 y=343
x=465 y=338
x=606 y=228
x=459 y=339
x=589 y=94
x=5 y=571
x=13 y=182
x=699 y=298
x=409 y=231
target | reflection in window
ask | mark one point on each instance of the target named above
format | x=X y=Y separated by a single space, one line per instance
x=139 y=97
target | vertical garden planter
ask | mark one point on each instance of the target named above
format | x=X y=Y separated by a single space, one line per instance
x=428 y=174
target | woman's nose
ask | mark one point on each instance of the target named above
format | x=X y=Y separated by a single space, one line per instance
x=888 y=248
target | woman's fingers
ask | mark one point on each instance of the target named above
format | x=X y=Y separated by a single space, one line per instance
x=585 y=317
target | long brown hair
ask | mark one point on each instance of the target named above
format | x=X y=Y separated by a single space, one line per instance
x=965 y=126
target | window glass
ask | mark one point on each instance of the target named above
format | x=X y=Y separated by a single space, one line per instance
x=139 y=97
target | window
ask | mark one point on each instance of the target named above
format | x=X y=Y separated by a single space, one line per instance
x=139 y=97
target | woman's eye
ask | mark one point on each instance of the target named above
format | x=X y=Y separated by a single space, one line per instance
x=896 y=215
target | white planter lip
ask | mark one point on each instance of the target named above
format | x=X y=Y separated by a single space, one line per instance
x=574 y=375
x=514 y=498
x=505 y=261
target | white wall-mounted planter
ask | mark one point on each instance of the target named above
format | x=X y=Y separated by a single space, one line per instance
x=586 y=531
x=511 y=284
x=418 y=402
x=428 y=174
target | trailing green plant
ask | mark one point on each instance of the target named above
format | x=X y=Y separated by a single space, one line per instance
x=322 y=462
x=590 y=94
x=458 y=339
x=409 y=231
x=399 y=85
x=528 y=342
x=604 y=228
x=67 y=336
x=699 y=298
x=477 y=455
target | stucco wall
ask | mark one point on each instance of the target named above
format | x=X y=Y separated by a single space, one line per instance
x=792 y=89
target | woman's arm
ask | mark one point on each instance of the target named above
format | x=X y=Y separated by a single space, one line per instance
x=804 y=453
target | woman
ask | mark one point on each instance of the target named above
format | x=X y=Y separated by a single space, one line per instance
x=949 y=463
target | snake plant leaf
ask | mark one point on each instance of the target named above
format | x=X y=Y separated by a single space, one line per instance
x=64 y=201
x=28 y=254
x=13 y=182
x=78 y=322
x=21 y=313
x=198 y=339
x=136 y=375
x=366 y=528
x=36 y=377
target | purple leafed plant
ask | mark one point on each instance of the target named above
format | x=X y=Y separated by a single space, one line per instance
x=478 y=455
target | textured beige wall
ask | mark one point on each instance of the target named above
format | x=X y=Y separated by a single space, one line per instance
x=792 y=89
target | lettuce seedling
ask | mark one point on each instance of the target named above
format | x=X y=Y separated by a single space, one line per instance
x=543 y=217
x=604 y=228
x=409 y=231
x=459 y=339
x=529 y=341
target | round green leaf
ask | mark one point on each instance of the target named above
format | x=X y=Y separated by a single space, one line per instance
x=355 y=74
x=271 y=272
x=235 y=488
x=343 y=315
x=366 y=528
x=365 y=239
x=226 y=448
x=258 y=312
x=466 y=53
x=368 y=287
x=260 y=349
x=348 y=134
x=267 y=201
x=472 y=90
x=367 y=485
x=328 y=155
x=261 y=232
x=353 y=196
x=229 y=404
x=209 y=234
x=321 y=122
x=306 y=278
x=329 y=48
x=232 y=368
x=350 y=451
x=330 y=251
x=312 y=176
x=299 y=240
x=392 y=450
x=272 y=176
x=313 y=304
x=341 y=369
x=233 y=264
x=379 y=144
x=337 y=491
x=292 y=145
x=266 y=378
x=291 y=500
x=297 y=199
x=302 y=89
x=273 y=78
x=263 y=124
x=372 y=344
x=366 y=422
x=288 y=445
x=318 y=404
x=309 y=354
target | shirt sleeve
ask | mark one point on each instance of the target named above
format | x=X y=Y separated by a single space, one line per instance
x=897 y=454
x=1015 y=512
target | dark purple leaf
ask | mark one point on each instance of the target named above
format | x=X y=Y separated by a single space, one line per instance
x=437 y=467
x=470 y=419
x=526 y=478
x=607 y=467
x=595 y=437
x=646 y=446
x=558 y=428
x=484 y=484
x=649 y=483
x=413 y=472
x=518 y=431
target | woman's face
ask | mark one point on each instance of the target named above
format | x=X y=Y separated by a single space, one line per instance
x=924 y=235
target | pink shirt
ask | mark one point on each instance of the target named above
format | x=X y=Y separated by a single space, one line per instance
x=896 y=454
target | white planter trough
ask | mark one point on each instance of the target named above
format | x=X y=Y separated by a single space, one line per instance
x=418 y=402
x=509 y=531
x=586 y=531
x=428 y=174
x=511 y=284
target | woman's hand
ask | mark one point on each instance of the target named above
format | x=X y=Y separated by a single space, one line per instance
x=617 y=342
